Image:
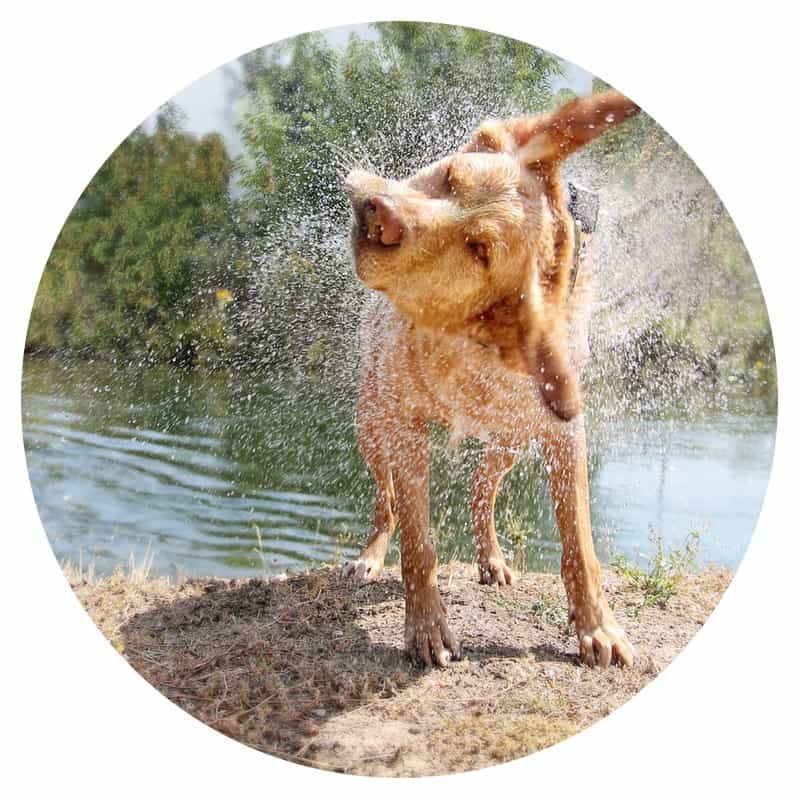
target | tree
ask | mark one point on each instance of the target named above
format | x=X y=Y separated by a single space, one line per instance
x=157 y=262
x=391 y=104
x=395 y=103
x=136 y=265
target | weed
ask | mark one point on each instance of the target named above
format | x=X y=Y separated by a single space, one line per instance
x=80 y=572
x=345 y=545
x=665 y=570
x=137 y=572
x=516 y=535
x=259 y=549
x=544 y=607
x=141 y=573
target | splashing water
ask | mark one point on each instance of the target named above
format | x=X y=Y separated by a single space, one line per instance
x=655 y=268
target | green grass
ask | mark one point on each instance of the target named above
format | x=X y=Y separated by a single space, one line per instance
x=660 y=578
x=543 y=607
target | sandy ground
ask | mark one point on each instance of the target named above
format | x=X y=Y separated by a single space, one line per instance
x=311 y=668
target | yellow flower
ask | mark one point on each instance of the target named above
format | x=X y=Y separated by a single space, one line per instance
x=224 y=296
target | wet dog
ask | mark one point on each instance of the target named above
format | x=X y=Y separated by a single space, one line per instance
x=475 y=326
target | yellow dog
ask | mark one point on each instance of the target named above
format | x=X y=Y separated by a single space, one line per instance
x=474 y=327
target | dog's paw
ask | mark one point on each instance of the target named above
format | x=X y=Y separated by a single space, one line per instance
x=495 y=570
x=602 y=641
x=362 y=569
x=429 y=640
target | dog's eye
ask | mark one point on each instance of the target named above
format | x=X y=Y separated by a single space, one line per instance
x=479 y=250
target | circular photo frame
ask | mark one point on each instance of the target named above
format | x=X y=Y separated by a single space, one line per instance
x=393 y=368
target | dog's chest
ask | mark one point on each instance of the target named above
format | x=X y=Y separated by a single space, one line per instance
x=451 y=380
x=473 y=393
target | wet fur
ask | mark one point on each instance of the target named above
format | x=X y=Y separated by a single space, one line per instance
x=474 y=327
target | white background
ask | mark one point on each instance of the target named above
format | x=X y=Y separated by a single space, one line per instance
x=78 y=76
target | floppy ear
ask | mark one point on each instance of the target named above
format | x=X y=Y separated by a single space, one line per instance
x=543 y=143
x=550 y=138
x=530 y=343
x=546 y=357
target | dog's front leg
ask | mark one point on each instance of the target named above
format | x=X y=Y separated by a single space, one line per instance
x=427 y=637
x=601 y=640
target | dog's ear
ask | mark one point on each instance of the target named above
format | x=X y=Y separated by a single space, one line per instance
x=530 y=343
x=547 y=360
x=529 y=329
x=549 y=139
x=546 y=140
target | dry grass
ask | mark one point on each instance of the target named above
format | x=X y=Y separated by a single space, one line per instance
x=311 y=668
x=138 y=572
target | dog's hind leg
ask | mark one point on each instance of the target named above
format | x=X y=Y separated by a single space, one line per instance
x=371 y=441
x=495 y=463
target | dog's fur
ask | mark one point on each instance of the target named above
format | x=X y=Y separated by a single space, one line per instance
x=474 y=327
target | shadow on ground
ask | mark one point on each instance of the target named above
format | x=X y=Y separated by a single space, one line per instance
x=269 y=662
x=311 y=668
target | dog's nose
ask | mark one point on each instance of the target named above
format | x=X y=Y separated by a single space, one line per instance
x=382 y=221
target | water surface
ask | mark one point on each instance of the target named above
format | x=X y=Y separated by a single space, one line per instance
x=243 y=473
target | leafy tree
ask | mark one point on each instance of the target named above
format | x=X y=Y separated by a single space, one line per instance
x=396 y=102
x=157 y=262
x=136 y=266
x=391 y=104
x=681 y=294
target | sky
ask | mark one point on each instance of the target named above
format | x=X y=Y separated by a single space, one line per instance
x=206 y=102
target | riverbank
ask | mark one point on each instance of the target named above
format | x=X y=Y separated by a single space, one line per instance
x=311 y=669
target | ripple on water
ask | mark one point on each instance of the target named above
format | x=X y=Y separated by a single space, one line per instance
x=237 y=494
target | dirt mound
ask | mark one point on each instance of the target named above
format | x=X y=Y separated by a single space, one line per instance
x=311 y=668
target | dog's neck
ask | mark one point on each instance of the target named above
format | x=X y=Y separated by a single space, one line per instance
x=500 y=327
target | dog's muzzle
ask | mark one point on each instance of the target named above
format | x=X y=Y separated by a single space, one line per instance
x=378 y=220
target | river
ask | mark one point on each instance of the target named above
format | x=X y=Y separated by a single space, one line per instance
x=236 y=474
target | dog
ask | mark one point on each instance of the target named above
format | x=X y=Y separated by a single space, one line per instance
x=473 y=326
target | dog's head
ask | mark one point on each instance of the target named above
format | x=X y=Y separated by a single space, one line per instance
x=482 y=241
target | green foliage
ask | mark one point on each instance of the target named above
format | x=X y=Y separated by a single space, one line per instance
x=158 y=263
x=136 y=265
x=312 y=106
x=544 y=608
x=391 y=104
x=454 y=56
x=712 y=326
x=665 y=570
x=515 y=535
x=710 y=323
